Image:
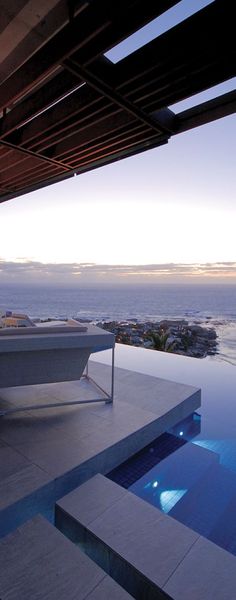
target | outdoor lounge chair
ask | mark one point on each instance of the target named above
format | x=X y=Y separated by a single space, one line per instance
x=33 y=356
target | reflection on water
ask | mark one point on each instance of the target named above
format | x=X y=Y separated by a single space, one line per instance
x=217 y=381
x=196 y=482
x=227 y=342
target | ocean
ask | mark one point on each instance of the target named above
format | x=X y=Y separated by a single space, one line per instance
x=209 y=305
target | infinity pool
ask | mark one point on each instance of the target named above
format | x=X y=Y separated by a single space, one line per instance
x=190 y=472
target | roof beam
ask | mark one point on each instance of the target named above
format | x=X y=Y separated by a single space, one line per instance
x=165 y=62
x=122 y=145
x=162 y=86
x=129 y=16
x=108 y=141
x=206 y=112
x=104 y=89
x=53 y=127
x=79 y=104
x=96 y=19
x=94 y=132
x=46 y=159
x=137 y=149
x=48 y=18
x=38 y=102
x=72 y=37
x=68 y=113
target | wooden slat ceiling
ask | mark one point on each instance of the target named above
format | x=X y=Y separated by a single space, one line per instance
x=65 y=108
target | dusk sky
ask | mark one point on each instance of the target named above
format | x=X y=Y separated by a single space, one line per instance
x=172 y=206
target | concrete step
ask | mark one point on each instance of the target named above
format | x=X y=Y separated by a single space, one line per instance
x=144 y=550
x=38 y=562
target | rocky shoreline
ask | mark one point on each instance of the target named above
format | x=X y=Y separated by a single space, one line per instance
x=177 y=336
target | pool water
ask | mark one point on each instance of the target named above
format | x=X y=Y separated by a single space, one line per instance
x=186 y=480
x=189 y=472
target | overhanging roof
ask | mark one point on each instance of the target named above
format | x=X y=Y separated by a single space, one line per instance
x=65 y=108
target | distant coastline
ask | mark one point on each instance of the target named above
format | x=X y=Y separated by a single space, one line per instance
x=176 y=336
x=209 y=306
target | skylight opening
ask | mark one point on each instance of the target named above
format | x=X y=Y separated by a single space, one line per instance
x=166 y=21
x=213 y=92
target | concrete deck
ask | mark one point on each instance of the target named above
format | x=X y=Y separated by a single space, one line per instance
x=149 y=553
x=45 y=454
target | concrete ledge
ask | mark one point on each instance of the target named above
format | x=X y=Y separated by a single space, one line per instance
x=151 y=554
x=37 y=561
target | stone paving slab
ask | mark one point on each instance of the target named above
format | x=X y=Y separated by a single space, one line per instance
x=21 y=483
x=38 y=562
x=147 y=551
x=207 y=573
x=86 y=505
x=145 y=391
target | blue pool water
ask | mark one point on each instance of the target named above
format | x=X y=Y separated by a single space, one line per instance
x=190 y=472
x=187 y=481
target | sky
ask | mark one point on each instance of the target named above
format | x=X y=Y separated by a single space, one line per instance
x=167 y=214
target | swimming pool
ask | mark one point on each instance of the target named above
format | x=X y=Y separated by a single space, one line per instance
x=190 y=472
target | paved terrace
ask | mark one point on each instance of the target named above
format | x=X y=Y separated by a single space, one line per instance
x=47 y=453
x=52 y=455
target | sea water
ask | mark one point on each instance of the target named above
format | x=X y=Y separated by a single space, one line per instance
x=210 y=305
